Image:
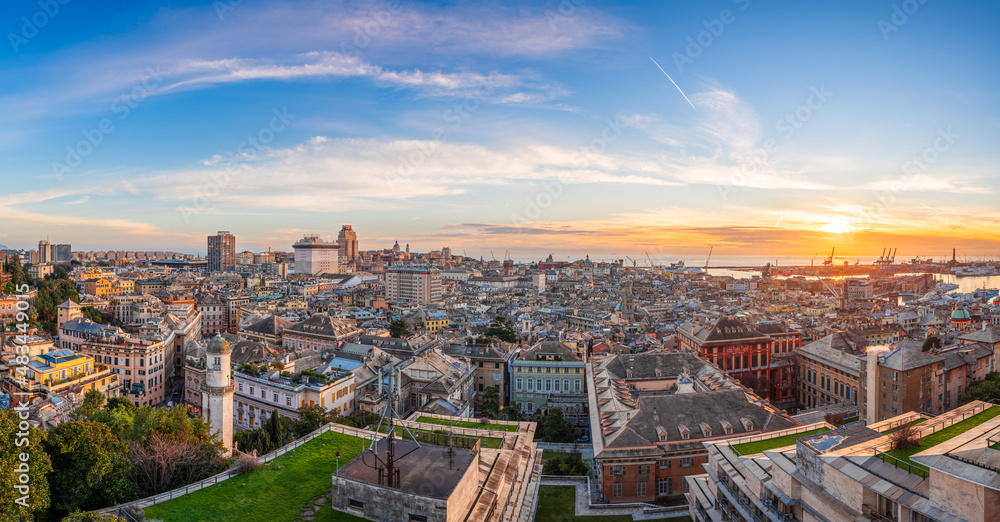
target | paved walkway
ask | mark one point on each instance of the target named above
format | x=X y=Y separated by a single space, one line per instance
x=584 y=510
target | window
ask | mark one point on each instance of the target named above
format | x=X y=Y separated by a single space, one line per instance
x=355 y=504
x=538 y=385
x=577 y=386
x=687 y=463
x=275 y=399
x=616 y=490
x=548 y=384
x=531 y=384
x=518 y=383
x=617 y=470
x=251 y=390
x=644 y=469
x=557 y=389
x=288 y=400
x=496 y=376
x=665 y=486
x=640 y=489
x=417 y=518
x=263 y=394
x=663 y=464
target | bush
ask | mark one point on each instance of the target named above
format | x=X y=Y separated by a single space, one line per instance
x=247 y=463
x=904 y=437
x=566 y=464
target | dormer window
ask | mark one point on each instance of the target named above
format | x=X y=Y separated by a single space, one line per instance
x=685 y=432
x=628 y=373
x=747 y=423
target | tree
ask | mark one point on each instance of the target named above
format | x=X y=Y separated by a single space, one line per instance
x=38 y=465
x=399 y=329
x=14 y=268
x=513 y=412
x=552 y=427
x=311 y=417
x=501 y=328
x=92 y=402
x=566 y=464
x=490 y=406
x=89 y=312
x=932 y=342
x=165 y=462
x=89 y=466
x=984 y=390
x=904 y=437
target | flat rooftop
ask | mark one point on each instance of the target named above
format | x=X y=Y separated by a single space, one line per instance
x=425 y=470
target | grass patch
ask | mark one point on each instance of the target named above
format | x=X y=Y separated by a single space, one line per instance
x=752 y=448
x=940 y=436
x=557 y=503
x=270 y=493
x=467 y=424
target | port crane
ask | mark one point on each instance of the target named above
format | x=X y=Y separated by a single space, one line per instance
x=709 y=255
x=829 y=261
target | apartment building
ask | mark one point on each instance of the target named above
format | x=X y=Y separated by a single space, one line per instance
x=549 y=375
x=829 y=370
x=894 y=381
x=415 y=284
x=318 y=333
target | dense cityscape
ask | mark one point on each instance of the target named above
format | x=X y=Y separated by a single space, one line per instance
x=499 y=261
x=668 y=388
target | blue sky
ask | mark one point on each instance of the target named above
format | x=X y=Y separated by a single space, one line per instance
x=525 y=126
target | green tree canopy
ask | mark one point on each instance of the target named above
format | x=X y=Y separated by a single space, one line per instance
x=399 y=329
x=931 y=342
x=566 y=464
x=38 y=464
x=501 y=328
x=89 y=466
x=490 y=406
x=552 y=427
x=984 y=390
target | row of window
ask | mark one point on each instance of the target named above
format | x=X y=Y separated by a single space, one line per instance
x=664 y=486
x=548 y=385
x=548 y=369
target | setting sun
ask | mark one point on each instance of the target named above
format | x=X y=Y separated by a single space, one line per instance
x=838 y=226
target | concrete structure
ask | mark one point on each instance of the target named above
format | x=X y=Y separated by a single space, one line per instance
x=44 y=252
x=315 y=256
x=841 y=475
x=415 y=284
x=221 y=252
x=217 y=391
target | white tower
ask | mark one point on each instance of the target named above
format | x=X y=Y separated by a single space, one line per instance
x=217 y=391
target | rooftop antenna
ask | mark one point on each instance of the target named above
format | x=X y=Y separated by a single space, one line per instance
x=388 y=471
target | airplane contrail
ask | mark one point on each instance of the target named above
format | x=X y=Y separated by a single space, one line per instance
x=673 y=82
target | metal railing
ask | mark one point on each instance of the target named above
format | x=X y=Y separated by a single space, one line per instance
x=773 y=434
x=921 y=470
x=930 y=427
x=873 y=514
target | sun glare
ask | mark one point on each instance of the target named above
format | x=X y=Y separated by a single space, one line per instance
x=838 y=226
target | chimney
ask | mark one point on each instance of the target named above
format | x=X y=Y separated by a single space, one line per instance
x=872 y=383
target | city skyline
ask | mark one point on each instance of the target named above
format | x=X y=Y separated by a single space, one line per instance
x=763 y=130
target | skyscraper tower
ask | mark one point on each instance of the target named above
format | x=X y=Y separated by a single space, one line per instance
x=217 y=391
x=348 y=241
x=221 y=252
x=44 y=252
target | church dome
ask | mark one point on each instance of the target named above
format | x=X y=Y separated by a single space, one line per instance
x=960 y=314
x=218 y=346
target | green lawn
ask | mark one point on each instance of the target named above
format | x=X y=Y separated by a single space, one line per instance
x=940 y=436
x=752 y=448
x=270 y=493
x=468 y=424
x=556 y=503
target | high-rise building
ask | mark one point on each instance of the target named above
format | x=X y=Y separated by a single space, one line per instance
x=348 y=241
x=62 y=253
x=315 y=256
x=44 y=252
x=418 y=284
x=221 y=252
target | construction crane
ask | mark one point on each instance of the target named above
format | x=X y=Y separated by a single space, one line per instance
x=829 y=261
x=709 y=255
x=650 y=260
x=494 y=255
x=630 y=259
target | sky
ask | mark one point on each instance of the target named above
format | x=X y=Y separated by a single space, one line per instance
x=747 y=127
